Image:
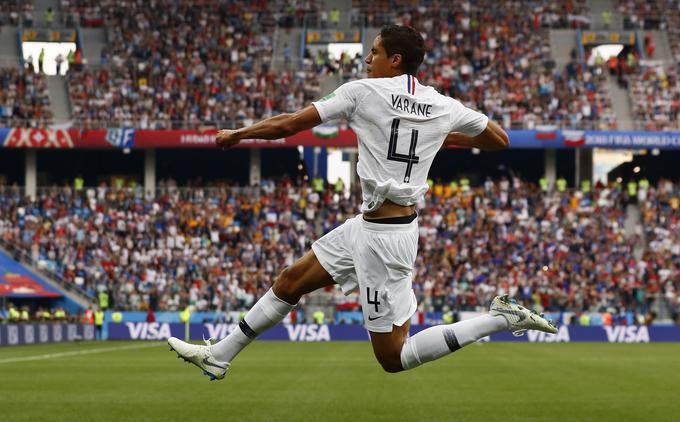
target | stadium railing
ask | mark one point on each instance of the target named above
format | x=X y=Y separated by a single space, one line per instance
x=186 y=193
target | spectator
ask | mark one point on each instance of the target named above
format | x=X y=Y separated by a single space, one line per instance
x=607 y=18
x=335 y=17
x=29 y=65
x=150 y=317
x=286 y=55
x=324 y=19
x=59 y=60
x=99 y=324
x=49 y=17
x=41 y=60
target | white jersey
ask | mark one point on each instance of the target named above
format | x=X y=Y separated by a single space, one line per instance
x=401 y=125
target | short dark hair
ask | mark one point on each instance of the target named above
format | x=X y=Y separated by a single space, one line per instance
x=404 y=40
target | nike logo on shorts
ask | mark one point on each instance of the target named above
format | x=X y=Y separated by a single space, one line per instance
x=373 y=319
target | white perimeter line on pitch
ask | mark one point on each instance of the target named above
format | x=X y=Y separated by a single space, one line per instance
x=77 y=353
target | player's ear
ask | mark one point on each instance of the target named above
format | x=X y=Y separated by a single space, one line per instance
x=396 y=61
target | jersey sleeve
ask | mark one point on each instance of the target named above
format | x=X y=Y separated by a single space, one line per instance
x=466 y=120
x=341 y=103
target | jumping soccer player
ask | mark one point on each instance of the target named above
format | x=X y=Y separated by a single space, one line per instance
x=400 y=125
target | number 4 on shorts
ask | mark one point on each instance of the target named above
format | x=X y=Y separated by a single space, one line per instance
x=375 y=298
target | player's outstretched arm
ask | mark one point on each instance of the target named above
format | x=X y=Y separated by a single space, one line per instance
x=273 y=128
x=493 y=138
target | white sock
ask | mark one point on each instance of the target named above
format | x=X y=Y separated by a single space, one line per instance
x=440 y=340
x=266 y=313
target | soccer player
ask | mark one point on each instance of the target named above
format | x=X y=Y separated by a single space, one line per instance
x=400 y=125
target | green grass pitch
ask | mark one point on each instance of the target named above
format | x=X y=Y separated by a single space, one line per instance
x=341 y=381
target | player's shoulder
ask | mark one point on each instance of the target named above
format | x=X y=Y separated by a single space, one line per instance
x=431 y=95
x=375 y=83
x=359 y=84
x=350 y=89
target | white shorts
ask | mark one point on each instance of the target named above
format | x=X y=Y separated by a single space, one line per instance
x=378 y=259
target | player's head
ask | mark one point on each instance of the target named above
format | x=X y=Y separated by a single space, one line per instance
x=396 y=50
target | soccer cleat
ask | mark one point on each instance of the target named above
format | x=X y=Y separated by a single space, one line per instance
x=520 y=319
x=200 y=356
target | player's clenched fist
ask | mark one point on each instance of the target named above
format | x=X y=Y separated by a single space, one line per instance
x=226 y=138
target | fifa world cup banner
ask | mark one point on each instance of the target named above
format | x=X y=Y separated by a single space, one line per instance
x=313 y=332
x=23 y=334
x=543 y=137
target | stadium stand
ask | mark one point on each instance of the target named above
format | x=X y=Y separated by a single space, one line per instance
x=508 y=52
x=14 y=12
x=24 y=99
x=205 y=83
x=92 y=13
x=641 y=14
x=223 y=246
x=653 y=85
x=565 y=14
x=225 y=74
x=204 y=63
x=655 y=95
x=219 y=75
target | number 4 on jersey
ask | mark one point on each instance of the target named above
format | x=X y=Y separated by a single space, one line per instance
x=393 y=155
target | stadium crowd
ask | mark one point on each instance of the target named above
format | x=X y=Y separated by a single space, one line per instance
x=645 y=14
x=652 y=83
x=560 y=14
x=97 y=13
x=15 y=12
x=655 y=96
x=155 y=75
x=221 y=248
x=557 y=251
x=493 y=56
x=661 y=216
x=24 y=99
x=496 y=57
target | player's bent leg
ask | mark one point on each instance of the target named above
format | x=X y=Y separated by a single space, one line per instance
x=436 y=342
x=441 y=340
x=304 y=276
x=396 y=351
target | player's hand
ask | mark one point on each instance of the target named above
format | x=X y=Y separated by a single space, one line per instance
x=226 y=138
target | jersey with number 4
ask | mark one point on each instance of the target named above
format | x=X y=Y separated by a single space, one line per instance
x=400 y=125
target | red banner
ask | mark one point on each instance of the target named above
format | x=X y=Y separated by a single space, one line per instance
x=142 y=139
x=206 y=139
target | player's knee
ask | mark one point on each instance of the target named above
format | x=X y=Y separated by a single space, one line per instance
x=391 y=365
x=285 y=286
x=390 y=361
